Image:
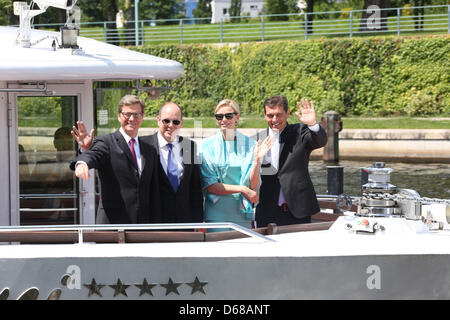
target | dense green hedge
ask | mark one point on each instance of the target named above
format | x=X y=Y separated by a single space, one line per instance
x=371 y=76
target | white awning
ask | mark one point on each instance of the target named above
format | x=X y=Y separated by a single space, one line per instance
x=97 y=60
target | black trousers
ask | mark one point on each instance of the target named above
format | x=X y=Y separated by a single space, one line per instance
x=280 y=218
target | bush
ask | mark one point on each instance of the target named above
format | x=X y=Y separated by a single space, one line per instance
x=421 y=103
x=364 y=76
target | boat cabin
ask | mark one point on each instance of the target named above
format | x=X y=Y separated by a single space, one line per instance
x=44 y=90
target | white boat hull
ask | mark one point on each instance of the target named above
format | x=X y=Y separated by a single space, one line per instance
x=304 y=265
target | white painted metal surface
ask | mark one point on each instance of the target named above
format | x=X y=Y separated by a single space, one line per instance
x=95 y=61
x=405 y=261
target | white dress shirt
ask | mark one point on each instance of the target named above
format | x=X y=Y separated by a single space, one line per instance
x=273 y=156
x=177 y=156
x=137 y=149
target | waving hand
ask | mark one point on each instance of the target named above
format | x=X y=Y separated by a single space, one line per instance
x=307 y=114
x=81 y=136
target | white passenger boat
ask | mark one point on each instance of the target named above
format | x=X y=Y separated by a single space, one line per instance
x=393 y=244
x=356 y=257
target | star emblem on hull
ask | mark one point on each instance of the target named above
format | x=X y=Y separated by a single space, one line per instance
x=145 y=287
x=5 y=294
x=171 y=287
x=119 y=288
x=94 y=288
x=197 y=285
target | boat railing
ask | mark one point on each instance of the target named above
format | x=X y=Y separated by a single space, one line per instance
x=145 y=233
x=121 y=228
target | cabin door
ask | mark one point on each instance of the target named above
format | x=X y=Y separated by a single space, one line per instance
x=44 y=189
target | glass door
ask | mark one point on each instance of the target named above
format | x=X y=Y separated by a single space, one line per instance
x=48 y=189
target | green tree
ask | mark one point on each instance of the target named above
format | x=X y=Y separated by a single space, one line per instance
x=292 y=6
x=235 y=8
x=160 y=9
x=109 y=11
x=91 y=11
x=7 y=16
x=203 y=10
x=419 y=13
x=310 y=9
x=277 y=7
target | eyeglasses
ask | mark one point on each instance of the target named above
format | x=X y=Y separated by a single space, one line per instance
x=229 y=116
x=134 y=114
x=175 y=122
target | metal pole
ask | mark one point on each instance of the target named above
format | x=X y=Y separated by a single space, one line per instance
x=262 y=28
x=221 y=30
x=398 y=22
x=181 y=31
x=105 y=34
x=351 y=23
x=136 y=22
x=332 y=124
x=142 y=33
x=335 y=180
x=306 y=25
x=448 y=22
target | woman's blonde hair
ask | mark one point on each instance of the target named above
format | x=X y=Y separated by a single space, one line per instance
x=228 y=103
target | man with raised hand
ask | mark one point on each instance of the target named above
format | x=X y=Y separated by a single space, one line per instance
x=287 y=194
x=126 y=165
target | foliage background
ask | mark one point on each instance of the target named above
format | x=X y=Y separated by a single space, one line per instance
x=376 y=76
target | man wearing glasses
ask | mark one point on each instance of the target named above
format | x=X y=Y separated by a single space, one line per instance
x=127 y=167
x=181 y=196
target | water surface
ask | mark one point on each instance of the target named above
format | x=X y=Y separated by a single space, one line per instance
x=429 y=180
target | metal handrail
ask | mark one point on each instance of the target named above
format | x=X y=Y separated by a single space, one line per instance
x=38 y=89
x=48 y=196
x=332 y=197
x=124 y=227
x=322 y=23
x=47 y=209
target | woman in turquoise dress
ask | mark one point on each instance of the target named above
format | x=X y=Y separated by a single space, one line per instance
x=230 y=169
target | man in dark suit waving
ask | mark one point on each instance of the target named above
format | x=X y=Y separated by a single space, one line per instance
x=126 y=167
x=287 y=194
x=181 y=196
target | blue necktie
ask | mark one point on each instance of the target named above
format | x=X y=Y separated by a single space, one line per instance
x=172 y=169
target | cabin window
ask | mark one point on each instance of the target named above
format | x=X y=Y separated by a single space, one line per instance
x=48 y=188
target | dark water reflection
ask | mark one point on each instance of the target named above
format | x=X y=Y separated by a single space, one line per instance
x=429 y=180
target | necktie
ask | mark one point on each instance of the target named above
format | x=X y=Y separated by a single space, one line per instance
x=133 y=153
x=172 y=169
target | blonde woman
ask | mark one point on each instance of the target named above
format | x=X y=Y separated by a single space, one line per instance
x=230 y=169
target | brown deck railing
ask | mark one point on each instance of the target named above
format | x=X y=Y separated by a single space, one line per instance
x=139 y=233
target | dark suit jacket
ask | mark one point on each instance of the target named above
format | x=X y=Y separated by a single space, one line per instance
x=296 y=144
x=125 y=197
x=185 y=205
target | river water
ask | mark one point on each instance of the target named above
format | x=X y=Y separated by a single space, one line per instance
x=429 y=180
